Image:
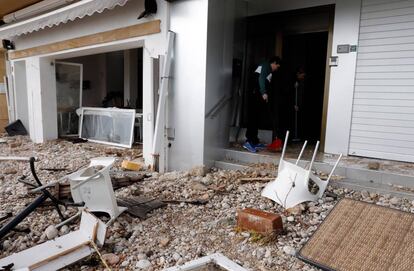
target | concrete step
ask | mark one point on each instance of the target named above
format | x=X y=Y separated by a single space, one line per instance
x=373 y=188
x=250 y=158
x=352 y=184
x=354 y=178
x=229 y=165
x=352 y=173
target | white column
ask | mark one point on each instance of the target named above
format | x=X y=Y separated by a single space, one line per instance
x=41 y=96
x=127 y=75
x=148 y=107
x=341 y=90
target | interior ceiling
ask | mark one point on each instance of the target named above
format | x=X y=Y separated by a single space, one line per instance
x=8 y=6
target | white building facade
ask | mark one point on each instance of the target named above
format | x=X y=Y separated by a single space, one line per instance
x=369 y=90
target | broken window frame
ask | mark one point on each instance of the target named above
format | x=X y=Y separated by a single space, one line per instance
x=108 y=110
x=217 y=259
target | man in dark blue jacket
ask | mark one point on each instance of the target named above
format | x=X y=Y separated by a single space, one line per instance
x=258 y=97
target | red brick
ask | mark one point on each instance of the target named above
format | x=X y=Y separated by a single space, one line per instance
x=259 y=221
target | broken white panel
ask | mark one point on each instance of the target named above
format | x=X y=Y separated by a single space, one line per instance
x=92 y=185
x=158 y=148
x=214 y=260
x=60 y=252
x=112 y=126
x=292 y=185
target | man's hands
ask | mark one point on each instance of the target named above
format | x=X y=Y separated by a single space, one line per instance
x=265 y=97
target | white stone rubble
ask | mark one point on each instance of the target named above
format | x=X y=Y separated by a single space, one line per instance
x=176 y=233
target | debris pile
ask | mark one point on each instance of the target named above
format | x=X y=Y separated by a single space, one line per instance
x=199 y=219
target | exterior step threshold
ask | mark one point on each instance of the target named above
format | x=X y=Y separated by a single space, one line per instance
x=377 y=188
x=230 y=165
x=358 y=180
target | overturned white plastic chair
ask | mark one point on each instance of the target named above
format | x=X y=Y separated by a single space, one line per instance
x=291 y=186
x=92 y=185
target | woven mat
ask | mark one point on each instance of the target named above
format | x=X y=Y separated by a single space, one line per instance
x=358 y=236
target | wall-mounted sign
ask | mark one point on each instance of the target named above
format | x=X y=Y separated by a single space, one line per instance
x=343 y=48
x=353 y=48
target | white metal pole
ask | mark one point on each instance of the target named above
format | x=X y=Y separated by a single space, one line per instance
x=314 y=155
x=159 y=132
x=284 y=147
x=301 y=152
x=333 y=169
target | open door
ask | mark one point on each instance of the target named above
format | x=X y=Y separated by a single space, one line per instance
x=69 y=96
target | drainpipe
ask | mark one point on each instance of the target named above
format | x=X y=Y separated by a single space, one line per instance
x=34 y=10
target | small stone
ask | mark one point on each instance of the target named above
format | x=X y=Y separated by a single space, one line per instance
x=208 y=180
x=142 y=256
x=164 y=241
x=290 y=219
x=198 y=171
x=365 y=194
x=143 y=264
x=10 y=171
x=315 y=209
x=64 y=230
x=374 y=165
x=111 y=258
x=395 y=201
x=296 y=210
x=205 y=197
x=176 y=256
x=15 y=144
x=289 y=250
x=198 y=186
x=245 y=234
x=260 y=252
x=6 y=245
x=51 y=232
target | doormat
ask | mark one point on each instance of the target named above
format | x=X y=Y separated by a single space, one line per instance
x=359 y=236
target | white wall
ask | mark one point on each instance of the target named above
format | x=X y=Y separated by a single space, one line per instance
x=341 y=89
x=187 y=92
x=221 y=18
x=20 y=86
x=41 y=93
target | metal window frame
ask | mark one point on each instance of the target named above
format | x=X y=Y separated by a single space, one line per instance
x=106 y=110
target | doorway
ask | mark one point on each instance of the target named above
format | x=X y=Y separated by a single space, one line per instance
x=68 y=96
x=301 y=39
x=304 y=58
x=105 y=80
